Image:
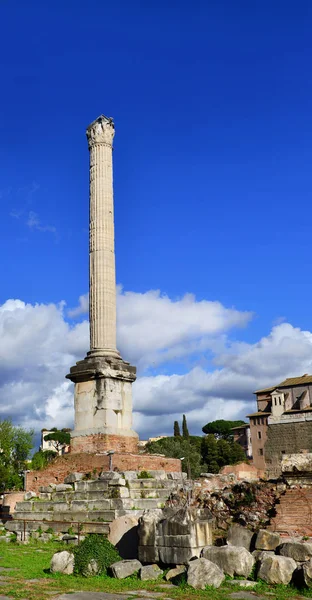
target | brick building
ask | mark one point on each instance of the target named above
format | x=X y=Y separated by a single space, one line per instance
x=282 y=423
x=241 y=435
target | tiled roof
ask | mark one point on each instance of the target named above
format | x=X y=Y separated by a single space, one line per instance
x=259 y=414
x=269 y=389
x=244 y=426
x=288 y=383
x=296 y=381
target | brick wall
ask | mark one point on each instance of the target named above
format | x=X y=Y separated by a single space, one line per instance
x=285 y=438
x=86 y=463
x=11 y=498
x=103 y=443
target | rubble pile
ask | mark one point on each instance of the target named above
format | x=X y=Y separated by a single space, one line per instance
x=251 y=504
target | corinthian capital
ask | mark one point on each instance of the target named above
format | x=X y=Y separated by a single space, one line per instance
x=101 y=131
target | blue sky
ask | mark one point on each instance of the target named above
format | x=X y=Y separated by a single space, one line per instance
x=212 y=108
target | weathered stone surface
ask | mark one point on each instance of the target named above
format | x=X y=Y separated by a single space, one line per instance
x=148 y=554
x=240 y=536
x=150 y=572
x=176 y=476
x=232 y=559
x=203 y=572
x=266 y=540
x=277 y=569
x=62 y=562
x=123 y=533
x=243 y=583
x=29 y=495
x=108 y=475
x=178 y=570
x=300 y=552
x=73 y=477
x=307 y=573
x=47 y=488
x=63 y=487
x=92 y=568
x=125 y=568
x=260 y=554
x=147 y=527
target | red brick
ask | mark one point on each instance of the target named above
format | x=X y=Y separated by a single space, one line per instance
x=102 y=443
x=87 y=463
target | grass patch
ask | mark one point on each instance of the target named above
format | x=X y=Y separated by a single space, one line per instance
x=32 y=561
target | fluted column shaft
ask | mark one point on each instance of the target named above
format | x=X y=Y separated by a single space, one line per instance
x=102 y=282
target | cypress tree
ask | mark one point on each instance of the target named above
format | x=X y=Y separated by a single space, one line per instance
x=176 y=429
x=185 y=431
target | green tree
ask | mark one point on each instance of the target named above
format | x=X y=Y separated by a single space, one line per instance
x=176 y=429
x=209 y=452
x=218 y=453
x=15 y=446
x=179 y=447
x=222 y=429
x=42 y=458
x=60 y=438
x=185 y=431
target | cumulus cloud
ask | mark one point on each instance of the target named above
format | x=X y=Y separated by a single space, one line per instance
x=153 y=329
x=38 y=346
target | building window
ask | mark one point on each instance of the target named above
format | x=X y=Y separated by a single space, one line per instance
x=259 y=420
x=283 y=452
x=261 y=451
x=280 y=401
x=259 y=435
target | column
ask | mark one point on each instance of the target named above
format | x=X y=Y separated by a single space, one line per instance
x=102 y=277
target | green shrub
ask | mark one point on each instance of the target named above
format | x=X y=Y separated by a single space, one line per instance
x=98 y=548
x=145 y=475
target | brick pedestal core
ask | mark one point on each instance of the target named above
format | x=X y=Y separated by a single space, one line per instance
x=103 y=443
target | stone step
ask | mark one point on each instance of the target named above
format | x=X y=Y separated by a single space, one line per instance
x=58 y=527
x=149 y=493
x=150 y=484
x=91 y=486
x=68 y=516
x=95 y=495
x=90 y=505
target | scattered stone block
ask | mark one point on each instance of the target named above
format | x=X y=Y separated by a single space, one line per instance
x=73 y=477
x=203 y=572
x=109 y=475
x=267 y=540
x=307 y=573
x=130 y=474
x=92 y=568
x=120 y=481
x=125 y=568
x=300 y=552
x=47 y=488
x=178 y=570
x=240 y=536
x=150 y=572
x=123 y=533
x=29 y=495
x=233 y=560
x=62 y=562
x=243 y=583
x=63 y=487
x=277 y=569
x=176 y=475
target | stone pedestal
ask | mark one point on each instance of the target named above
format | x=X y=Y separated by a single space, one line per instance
x=103 y=406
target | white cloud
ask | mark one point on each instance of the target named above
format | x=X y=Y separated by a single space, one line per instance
x=34 y=223
x=153 y=329
x=38 y=346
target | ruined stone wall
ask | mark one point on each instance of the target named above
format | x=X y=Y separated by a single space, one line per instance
x=87 y=463
x=285 y=438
